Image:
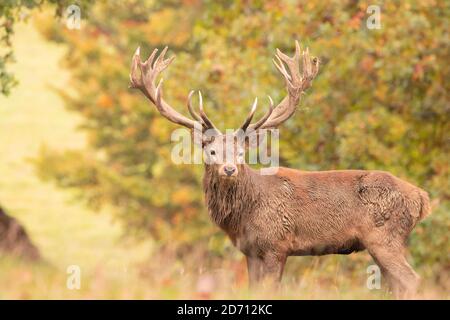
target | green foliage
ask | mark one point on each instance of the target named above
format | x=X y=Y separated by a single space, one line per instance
x=381 y=101
x=11 y=12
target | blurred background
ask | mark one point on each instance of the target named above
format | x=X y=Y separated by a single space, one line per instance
x=86 y=176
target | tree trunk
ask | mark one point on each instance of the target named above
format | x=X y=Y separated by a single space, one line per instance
x=15 y=240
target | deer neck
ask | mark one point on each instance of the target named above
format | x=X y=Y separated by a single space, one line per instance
x=229 y=201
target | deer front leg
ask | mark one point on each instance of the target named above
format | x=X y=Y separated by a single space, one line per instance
x=265 y=270
x=255 y=269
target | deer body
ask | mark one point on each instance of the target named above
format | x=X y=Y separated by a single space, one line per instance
x=292 y=212
x=295 y=212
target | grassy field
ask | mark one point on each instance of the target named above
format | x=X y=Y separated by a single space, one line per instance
x=66 y=232
x=69 y=234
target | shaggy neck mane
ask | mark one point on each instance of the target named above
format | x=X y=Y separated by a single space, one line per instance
x=230 y=200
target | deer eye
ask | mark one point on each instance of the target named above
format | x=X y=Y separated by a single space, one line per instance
x=212 y=152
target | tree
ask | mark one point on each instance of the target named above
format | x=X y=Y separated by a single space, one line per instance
x=380 y=102
x=11 y=12
x=13 y=236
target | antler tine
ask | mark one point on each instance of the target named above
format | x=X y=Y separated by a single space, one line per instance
x=160 y=58
x=191 y=108
x=310 y=69
x=260 y=122
x=280 y=66
x=149 y=61
x=135 y=81
x=203 y=115
x=249 y=118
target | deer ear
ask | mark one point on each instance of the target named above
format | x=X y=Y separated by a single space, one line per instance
x=197 y=137
x=254 y=138
x=202 y=138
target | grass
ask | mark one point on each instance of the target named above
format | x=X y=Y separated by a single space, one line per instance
x=69 y=234
x=66 y=232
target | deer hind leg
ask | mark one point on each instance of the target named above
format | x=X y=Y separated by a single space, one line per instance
x=404 y=281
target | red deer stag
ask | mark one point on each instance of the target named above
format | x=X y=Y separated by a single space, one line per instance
x=293 y=212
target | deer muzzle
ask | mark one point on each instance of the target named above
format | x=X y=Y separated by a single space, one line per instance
x=228 y=170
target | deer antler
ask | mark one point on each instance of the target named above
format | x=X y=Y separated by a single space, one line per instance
x=296 y=83
x=261 y=121
x=143 y=77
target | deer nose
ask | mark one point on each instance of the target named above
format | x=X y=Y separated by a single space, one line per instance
x=229 y=170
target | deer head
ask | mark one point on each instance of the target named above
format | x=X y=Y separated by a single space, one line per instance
x=226 y=151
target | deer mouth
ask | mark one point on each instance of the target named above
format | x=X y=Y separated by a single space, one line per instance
x=227 y=177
